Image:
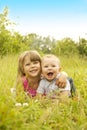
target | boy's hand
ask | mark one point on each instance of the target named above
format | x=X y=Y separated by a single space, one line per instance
x=61 y=81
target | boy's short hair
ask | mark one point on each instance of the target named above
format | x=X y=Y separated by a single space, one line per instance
x=51 y=56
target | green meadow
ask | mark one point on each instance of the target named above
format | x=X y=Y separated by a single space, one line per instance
x=44 y=114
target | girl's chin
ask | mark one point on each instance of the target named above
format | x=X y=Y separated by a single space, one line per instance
x=35 y=75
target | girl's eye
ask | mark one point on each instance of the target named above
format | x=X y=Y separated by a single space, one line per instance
x=35 y=62
x=27 y=64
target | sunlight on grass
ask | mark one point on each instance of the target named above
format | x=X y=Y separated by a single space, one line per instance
x=46 y=115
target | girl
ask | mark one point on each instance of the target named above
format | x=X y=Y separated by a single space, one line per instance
x=29 y=72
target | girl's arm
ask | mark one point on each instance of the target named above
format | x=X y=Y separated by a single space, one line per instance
x=62 y=80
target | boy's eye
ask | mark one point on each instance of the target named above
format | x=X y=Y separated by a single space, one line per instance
x=45 y=66
x=53 y=66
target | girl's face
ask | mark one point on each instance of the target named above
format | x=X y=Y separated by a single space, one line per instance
x=50 y=68
x=31 y=68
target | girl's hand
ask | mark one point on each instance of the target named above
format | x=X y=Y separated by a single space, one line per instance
x=61 y=81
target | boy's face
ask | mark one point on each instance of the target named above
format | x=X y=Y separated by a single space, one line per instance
x=31 y=68
x=50 y=68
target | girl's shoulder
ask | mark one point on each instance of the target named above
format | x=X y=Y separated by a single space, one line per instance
x=24 y=81
x=23 y=78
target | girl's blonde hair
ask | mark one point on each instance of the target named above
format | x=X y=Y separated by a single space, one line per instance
x=33 y=55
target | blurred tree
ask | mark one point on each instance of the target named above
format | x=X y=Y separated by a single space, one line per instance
x=5 y=34
x=65 y=46
x=82 y=46
x=39 y=43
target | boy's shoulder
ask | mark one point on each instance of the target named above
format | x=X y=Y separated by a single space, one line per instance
x=43 y=80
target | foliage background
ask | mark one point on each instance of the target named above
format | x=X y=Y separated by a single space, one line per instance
x=12 y=42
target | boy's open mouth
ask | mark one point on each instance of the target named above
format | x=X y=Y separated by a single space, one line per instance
x=50 y=74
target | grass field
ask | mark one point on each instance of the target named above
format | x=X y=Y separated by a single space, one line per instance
x=46 y=114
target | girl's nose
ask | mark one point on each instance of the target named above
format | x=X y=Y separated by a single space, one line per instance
x=32 y=65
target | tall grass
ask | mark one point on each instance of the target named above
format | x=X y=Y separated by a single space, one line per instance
x=46 y=114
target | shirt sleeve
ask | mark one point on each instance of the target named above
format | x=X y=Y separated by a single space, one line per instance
x=40 y=88
x=67 y=85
